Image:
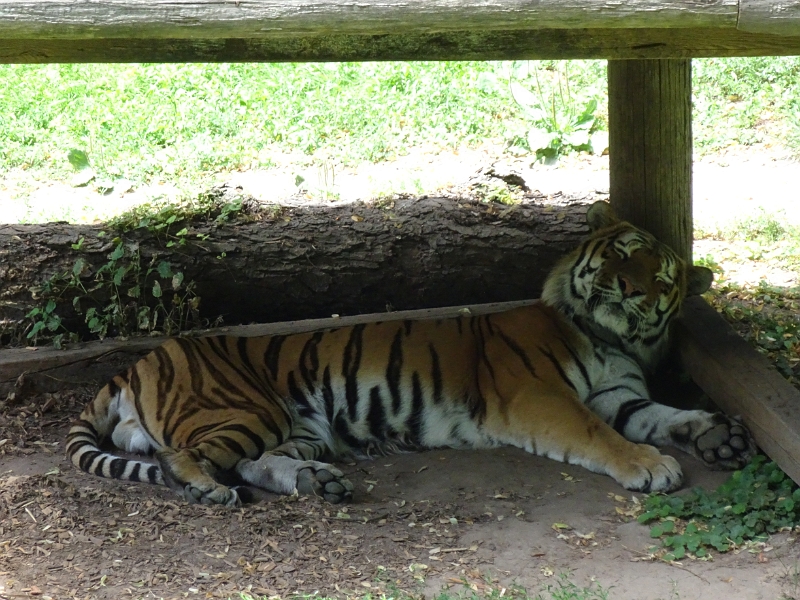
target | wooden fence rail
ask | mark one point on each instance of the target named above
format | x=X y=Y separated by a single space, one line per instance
x=41 y=31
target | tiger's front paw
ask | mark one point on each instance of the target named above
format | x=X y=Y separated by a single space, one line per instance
x=324 y=480
x=724 y=444
x=650 y=471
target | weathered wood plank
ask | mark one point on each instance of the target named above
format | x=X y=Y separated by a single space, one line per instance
x=211 y=19
x=742 y=382
x=650 y=130
x=780 y=17
x=471 y=45
x=15 y=361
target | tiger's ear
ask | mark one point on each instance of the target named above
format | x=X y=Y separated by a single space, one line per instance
x=698 y=280
x=601 y=215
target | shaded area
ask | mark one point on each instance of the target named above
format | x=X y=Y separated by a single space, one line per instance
x=269 y=264
x=483 y=520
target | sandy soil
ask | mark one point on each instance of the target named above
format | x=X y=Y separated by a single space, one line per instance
x=740 y=181
x=479 y=520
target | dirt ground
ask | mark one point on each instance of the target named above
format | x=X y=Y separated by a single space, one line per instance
x=465 y=520
x=471 y=521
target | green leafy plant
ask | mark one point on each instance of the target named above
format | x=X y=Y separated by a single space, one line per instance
x=80 y=162
x=126 y=295
x=561 y=120
x=498 y=191
x=756 y=501
x=163 y=219
x=44 y=322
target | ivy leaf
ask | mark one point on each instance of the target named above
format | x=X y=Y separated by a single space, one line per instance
x=37 y=327
x=78 y=159
x=157 y=289
x=119 y=274
x=118 y=252
x=656 y=531
x=79 y=267
x=53 y=322
x=165 y=269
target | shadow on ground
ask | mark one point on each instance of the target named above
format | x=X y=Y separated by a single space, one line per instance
x=461 y=519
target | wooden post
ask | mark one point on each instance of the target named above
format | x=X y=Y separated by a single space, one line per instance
x=650 y=145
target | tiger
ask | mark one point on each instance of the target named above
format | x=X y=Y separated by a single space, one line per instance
x=563 y=377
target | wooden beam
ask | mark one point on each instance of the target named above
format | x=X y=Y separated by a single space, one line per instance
x=742 y=382
x=781 y=17
x=212 y=19
x=536 y=44
x=15 y=361
x=650 y=147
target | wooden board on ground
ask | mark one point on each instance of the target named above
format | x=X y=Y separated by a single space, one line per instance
x=16 y=361
x=742 y=382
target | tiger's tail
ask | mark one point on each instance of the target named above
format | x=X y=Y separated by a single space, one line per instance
x=97 y=422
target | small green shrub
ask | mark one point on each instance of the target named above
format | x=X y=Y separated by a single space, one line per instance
x=126 y=295
x=756 y=501
x=562 y=119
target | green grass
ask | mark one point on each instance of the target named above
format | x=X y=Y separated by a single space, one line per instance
x=746 y=101
x=168 y=121
x=154 y=119
x=181 y=122
x=765 y=236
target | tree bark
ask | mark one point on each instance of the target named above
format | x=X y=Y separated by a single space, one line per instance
x=311 y=262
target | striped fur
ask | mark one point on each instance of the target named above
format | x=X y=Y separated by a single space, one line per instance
x=562 y=378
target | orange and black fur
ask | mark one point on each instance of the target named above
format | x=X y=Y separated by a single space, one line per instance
x=562 y=378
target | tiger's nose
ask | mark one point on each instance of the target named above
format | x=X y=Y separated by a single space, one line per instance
x=628 y=288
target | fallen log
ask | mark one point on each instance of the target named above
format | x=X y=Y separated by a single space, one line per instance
x=285 y=263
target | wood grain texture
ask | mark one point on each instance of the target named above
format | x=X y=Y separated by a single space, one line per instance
x=742 y=382
x=779 y=17
x=650 y=137
x=87 y=357
x=212 y=19
x=470 y=45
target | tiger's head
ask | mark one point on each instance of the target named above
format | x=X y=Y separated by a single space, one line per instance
x=622 y=286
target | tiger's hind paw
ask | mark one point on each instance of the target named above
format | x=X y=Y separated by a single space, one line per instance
x=325 y=481
x=218 y=494
x=286 y=475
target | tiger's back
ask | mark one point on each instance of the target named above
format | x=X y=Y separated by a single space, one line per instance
x=367 y=389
